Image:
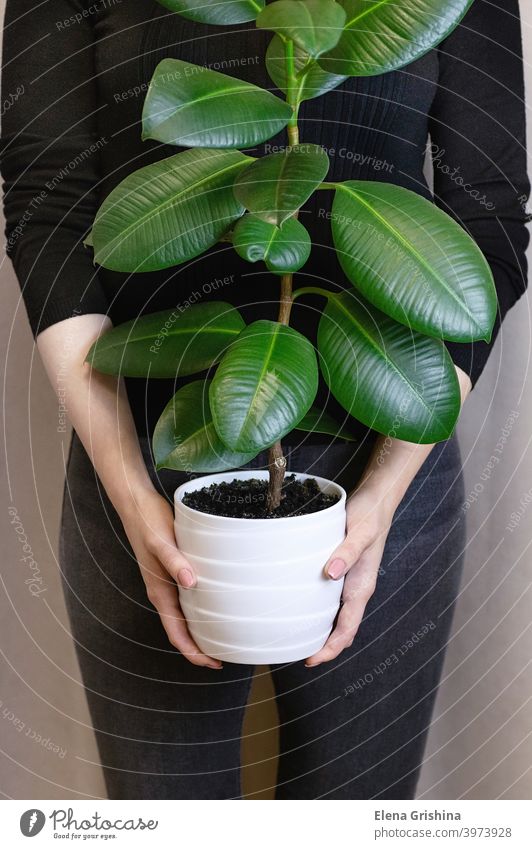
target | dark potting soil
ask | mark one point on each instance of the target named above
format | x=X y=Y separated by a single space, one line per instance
x=246 y=499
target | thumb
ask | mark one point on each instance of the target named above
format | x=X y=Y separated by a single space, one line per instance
x=344 y=557
x=176 y=564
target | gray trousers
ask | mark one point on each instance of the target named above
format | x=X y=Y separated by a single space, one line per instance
x=351 y=729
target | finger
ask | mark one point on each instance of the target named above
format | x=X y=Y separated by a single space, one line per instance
x=174 y=623
x=174 y=562
x=358 y=588
x=361 y=581
x=345 y=556
x=342 y=636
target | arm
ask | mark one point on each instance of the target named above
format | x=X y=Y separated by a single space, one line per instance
x=50 y=204
x=370 y=510
x=478 y=145
x=99 y=411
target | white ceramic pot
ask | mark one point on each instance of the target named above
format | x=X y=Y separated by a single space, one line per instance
x=262 y=595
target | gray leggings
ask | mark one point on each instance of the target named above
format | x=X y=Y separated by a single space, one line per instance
x=351 y=729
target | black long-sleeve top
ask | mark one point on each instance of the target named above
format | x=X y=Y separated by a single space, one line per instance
x=75 y=73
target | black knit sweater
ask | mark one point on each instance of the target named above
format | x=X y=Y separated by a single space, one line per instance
x=74 y=78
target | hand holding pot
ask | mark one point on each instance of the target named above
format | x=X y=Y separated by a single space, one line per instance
x=149 y=525
x=358 y=559
x=99 y=410
x=370 y=509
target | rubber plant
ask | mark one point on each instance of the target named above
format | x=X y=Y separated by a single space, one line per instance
x=418 y=279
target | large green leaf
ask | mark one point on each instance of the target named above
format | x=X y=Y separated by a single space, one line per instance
x=413 y=261
x=313 y=83
x=193 y=106
x=168 y=212
x=263 y=386
x=314 y=25
x=394 y=380
x=216 y=11
x=185 y=437
x=284 y=249
x=170 y=343
x=382 y=35
x=275 y=186
x=318 y=421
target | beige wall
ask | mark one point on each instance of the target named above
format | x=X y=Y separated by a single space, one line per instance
x=480 y=744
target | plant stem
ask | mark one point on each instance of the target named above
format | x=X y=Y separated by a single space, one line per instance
x=293 y=138
x=285 y=301
x=276 y=458
x=310 y=290
x=291 y=91
x=277 y=469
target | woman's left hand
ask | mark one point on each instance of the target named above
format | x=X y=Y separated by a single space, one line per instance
x=358 y=558
x=370 y=509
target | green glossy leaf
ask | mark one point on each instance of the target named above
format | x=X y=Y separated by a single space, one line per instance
x=185 y=438
x=193 y=106
x=318 y=421
x=263 y=386
x=313 y=83
x=168 y=212
x=382 y=35
x=314 y=25
x=171 y=343
x=275 y=186
x=413 y=261
x=393 y=380
x=284 y=249
x=220 y=12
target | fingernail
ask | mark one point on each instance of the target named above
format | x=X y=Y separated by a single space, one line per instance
x=310 y=665
x=185 y=578
x=336 y=569
x=212 y=666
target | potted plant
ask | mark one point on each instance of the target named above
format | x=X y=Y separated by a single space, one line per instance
x=259 y=540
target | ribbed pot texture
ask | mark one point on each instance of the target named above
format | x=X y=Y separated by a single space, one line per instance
x=262 y=595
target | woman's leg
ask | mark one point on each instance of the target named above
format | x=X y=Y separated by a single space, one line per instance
x=165 y=729
x=356 y=728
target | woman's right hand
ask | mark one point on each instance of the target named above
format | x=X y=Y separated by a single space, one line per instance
x=149 y=524
x=99 y=410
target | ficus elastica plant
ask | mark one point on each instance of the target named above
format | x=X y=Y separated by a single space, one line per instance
x=417 y=278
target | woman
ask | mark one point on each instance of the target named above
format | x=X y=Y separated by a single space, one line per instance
x=353 y=717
